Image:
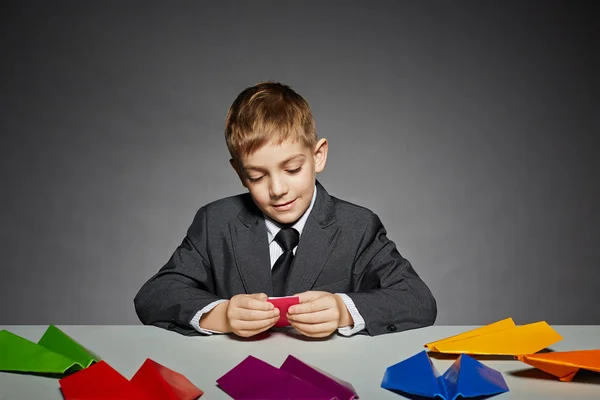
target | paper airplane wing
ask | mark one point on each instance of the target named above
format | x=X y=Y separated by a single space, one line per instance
x=59 y=342
x=564 y=364
x=159 y=382
x=256 y=379
x=342 y=390
x=466 y=378
x=502 y=325
x=22 y=355
x=99 y=382
x=524 y=339
x=416 y=376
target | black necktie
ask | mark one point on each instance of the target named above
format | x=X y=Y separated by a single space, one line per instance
x=287 y=238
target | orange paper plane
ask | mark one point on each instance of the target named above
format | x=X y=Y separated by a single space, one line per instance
x=564 y=364
x=500 y=338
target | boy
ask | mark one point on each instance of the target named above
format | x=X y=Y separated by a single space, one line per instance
x=287 y=236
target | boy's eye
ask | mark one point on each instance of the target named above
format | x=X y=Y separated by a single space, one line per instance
x=256 y=179
x=294 y=171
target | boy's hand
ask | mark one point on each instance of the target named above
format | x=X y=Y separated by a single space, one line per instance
x=319 y=314
x=250 y=314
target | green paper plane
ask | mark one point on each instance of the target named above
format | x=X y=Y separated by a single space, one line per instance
x=55 y=353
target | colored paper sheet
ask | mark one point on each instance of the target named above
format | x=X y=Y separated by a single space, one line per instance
x=99 y=381
x=151 y=382
x=500 y=338
x=161 y=383
x=283 y=303
x=55 y=353
x=564 y=364
x=256 y=379
x=342 y=390
x=466 y=378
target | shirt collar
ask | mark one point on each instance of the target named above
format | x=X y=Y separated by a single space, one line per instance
x=274 y=227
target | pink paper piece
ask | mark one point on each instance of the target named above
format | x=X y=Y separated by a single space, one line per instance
x=283 y=303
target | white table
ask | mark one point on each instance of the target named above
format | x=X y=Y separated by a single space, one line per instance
x=360 y=360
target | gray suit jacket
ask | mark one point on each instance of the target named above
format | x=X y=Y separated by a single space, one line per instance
x=343 y=249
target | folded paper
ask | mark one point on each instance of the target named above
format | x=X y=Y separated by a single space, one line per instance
x=342 y=390
x=564 y=364
x=55 y=353
x=256 y=379
x=100 y=381
x=152 y=381
x=283 y=303
x=466 y=378
x=500 y=338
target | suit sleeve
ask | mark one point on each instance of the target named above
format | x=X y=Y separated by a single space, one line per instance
x=388 y=293
x=183 y=286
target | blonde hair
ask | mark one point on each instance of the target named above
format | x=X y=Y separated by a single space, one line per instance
x=268 y=112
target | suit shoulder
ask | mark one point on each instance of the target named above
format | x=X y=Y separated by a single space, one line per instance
x=350 y=212
x=232 y=202
x=227 y=207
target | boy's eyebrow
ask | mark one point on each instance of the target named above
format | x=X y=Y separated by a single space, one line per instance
x=287 y=160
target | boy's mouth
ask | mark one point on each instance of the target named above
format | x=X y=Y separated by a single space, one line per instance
x=284 y=206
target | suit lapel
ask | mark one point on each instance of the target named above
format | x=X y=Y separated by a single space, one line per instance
x=251 y=249
x=316 y=244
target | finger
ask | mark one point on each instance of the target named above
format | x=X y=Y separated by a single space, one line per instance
x=314 y=330
x=319 y=317
x=310 y=295
x=243 y=314
x=253 y=303
x=251 y=333
x=253 y=326
x=320 y=304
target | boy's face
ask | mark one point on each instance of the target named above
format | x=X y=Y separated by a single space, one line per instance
x=281 y=178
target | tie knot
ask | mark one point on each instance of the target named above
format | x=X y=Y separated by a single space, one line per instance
x=287 y=238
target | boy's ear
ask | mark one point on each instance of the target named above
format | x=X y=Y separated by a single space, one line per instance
x=320 y=154
x=238 y=171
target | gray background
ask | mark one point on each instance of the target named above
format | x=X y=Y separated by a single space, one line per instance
x=470 y=127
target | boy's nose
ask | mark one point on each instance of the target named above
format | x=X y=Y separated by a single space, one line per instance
x=278 y=187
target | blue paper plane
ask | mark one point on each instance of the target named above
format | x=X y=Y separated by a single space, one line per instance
x=466 y=378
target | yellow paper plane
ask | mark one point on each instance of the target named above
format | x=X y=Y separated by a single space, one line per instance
x=500 y=338
x=564 y=364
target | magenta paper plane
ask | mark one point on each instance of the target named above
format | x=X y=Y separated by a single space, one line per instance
x=295 y=380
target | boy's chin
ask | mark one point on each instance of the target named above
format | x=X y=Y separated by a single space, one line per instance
x=285 y=219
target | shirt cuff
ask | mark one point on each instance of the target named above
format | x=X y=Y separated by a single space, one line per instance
x=195 y=322
x=359 y=322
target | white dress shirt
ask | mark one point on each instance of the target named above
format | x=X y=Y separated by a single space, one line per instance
x=274 y=252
